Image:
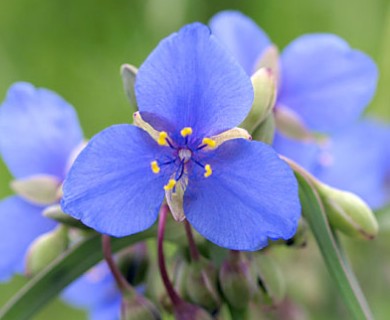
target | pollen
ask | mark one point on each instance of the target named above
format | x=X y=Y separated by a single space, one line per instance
x=162 y=138
x=209 y=142
x=186 y=132
x=155 y=167
x=170 y=185
x=208 y=171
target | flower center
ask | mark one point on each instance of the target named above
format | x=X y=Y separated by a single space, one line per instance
x=185 y=154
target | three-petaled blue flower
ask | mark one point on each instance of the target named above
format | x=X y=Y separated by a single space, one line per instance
x=39 y=131
x=191 y=94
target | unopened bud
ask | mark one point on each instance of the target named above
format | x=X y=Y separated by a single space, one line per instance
x=299 y=239
x=134 y=262
x=270 y=279
x=236 y=280
x=129 y=74
x=39 y=189
x=264 y=87
x=270 y=59
x=202 y=284
x=137 y=307
x=55 y=212
x=290 y=124
x=45 y=249
x=187 y=311
x=266 y=131
x=348 y=213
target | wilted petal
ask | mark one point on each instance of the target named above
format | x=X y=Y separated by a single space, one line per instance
x=190 y=80
x=251 y=196
x=38 y=131
x=325 y=81
x=111 y=187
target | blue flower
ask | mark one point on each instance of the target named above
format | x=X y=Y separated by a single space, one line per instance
x=356 y=160
x=322 y=81
x=184 y=146
x=38 y=133
x=97 y=292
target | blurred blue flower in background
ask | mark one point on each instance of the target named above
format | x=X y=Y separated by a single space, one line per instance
x=97 y=292
x=190 y=93
x=325 y=85
x=322 y=81
x=355 y=159
x=38 y=133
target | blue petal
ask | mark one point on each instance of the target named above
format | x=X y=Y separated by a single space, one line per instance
x=359 y=162
x=95 y=288
x=305 y=153
x=109 y=311
x=21 y=223
x=326 y=82
x=111 y=186
x=190 y=80
x=38 y=131
x=242 y=36
x=251 y=196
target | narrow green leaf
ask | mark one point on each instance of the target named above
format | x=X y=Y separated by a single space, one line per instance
x=330 y=249
x=60 y=273
x=46 y=285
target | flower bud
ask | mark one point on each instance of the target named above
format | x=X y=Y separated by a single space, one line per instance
x=134 y=262
x=39 y=189
x=187 y=311
x=129 y=73
x=45 y=249
x=270 y=59
x=202 y=284
x=55 y=212
x=270 y=279
x=137 y=307
x=266 y=131
x=264 y=86
x=348 y=213
x=290 y=124
x=236 y=280
x=299 y=239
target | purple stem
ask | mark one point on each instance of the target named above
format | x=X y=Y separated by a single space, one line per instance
x=176 y=300
x=120 y=280
x=194 y=252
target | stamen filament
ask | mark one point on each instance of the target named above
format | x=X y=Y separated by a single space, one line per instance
x=178 y=176
x=170 y=185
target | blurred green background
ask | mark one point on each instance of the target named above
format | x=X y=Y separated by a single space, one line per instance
x=76 y=47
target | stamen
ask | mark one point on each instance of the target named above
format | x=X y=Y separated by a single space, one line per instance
x=208 y=171
x=162 y=138
x=186 y=132
x=180 y=172
x=170 y=185
x=209 y=142
x=155 y=167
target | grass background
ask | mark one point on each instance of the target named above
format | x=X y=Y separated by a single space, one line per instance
x=76 y=47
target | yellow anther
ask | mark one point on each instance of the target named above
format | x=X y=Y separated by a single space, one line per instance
x=155 y=167
x=210 y=142
x=186 y=132
x=208 y=171
x=169 y=186
x=162 y=138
